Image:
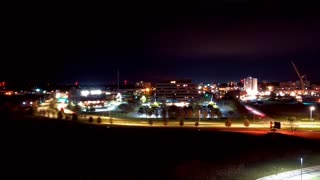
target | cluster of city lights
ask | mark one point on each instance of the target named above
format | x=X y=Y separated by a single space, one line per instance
x=91 y=92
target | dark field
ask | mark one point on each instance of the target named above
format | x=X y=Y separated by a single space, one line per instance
x=282 y=111
x=65 y=150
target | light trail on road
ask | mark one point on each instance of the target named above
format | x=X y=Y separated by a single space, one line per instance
x=300 y=129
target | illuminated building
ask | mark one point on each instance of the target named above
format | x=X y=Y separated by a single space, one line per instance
x=316 y=87
x=305 y=82
x=181 y=90
x=145 y=87
x=143 y=84
x=287 y=85
x=250 y=85
x=207 y=88
x=232 y=84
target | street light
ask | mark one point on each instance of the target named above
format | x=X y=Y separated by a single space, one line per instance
x=312 y=108
x=301 y=163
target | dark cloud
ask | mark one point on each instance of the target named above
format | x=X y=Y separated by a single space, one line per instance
x=246 y=39
x=197 y=39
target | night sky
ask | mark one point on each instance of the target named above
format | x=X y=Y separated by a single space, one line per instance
x=205 y=42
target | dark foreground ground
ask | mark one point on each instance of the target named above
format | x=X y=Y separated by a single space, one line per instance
x=51 y=149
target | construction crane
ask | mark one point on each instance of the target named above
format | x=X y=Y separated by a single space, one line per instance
x=299 y=75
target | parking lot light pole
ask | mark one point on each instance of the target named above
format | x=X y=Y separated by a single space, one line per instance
x=312 y=108
x=301 y=164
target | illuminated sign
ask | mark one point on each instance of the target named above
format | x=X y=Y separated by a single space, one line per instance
x=62 y=100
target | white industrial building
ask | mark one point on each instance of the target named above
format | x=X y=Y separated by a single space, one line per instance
x=250 y=85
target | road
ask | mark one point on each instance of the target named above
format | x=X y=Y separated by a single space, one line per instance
x=301 y=129
x=308 y=173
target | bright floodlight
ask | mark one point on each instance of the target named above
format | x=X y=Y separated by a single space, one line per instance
x=95 y=92
x=84 y=93
x=143 y=99
x=118 y=97
x=312 y=108
x=58 y=95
